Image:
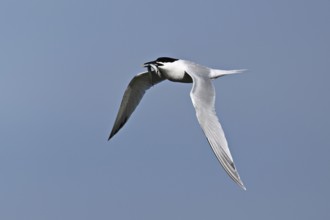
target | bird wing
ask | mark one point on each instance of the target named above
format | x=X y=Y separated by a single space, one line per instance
x=203 y=98
x=132 y=97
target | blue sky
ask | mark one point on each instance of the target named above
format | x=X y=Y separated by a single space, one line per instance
x=64 y=68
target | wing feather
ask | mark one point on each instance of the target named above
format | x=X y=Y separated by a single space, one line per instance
x=203 y=99
x=132 y=97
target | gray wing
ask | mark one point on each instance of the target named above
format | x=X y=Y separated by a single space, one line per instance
x=203 y=99
x=132 y=97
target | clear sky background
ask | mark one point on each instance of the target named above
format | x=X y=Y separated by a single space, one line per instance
x=66 y=63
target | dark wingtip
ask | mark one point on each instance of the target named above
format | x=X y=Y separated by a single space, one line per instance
x=115 y=129
x=111 y=135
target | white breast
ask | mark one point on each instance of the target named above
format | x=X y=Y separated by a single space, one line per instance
x=179 y=70
x=174 y=71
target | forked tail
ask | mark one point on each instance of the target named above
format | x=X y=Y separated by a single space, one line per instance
x=217 y=73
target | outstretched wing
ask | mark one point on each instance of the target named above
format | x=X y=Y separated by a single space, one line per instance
x=203 y=99
x=132 y=97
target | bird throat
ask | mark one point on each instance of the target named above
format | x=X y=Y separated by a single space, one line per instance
x=152 y=67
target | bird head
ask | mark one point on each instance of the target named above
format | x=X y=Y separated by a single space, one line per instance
x=160 y=62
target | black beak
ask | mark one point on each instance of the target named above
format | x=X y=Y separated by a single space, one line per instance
x=148 y=63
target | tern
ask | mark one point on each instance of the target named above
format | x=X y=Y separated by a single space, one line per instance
x=202 y=96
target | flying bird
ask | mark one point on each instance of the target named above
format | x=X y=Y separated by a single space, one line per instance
x=202 y=96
